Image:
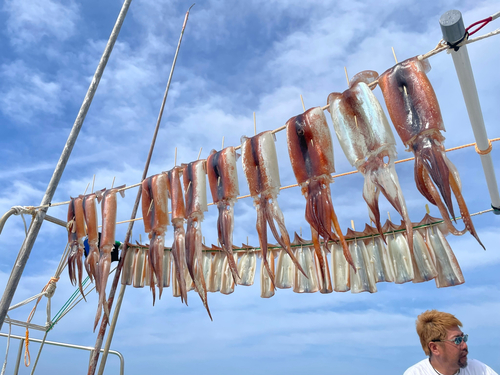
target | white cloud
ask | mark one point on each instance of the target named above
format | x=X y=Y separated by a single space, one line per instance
x=29 y=22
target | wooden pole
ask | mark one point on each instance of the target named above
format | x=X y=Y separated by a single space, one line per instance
x=36 y=224
x=104 y=322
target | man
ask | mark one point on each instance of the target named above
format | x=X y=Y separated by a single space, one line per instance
x=445 y=344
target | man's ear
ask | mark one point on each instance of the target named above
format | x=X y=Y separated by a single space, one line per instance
x=434 y=348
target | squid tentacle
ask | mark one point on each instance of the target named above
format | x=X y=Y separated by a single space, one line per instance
x=273 y=213
x=371 y=194
x=261 y=208
x=178 y=253
x=431 y=156
x=419 y=179
x=159 y=249
x=345 y=247
x=442 y=209
x=387 y=182
x=225 y=224
x=463 y=209
x=325 y=286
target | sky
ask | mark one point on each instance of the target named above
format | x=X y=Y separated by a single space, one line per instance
x=236 y=58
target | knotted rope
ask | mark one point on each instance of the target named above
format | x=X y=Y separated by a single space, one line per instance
x=47 y=291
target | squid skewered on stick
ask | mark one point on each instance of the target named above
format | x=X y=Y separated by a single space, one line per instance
x=90 y=214
x=178 y=218
x=368 y=143
x=108 y=210
x=414 y=110
x=195 y=192
x=260 y=165
x=223 y=180
x=155 y=213
x=76 y=236
x=311 y=154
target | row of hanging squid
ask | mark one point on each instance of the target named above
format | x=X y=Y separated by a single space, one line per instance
x=368 y=143
x=374 y=260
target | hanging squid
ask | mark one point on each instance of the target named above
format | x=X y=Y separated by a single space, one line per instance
x=178 y=218
x=368 y=143
x=448 y=269
x=195 y=192
x=223 y=180
x=415 y=113
x=311 y=154
x=76 y=236
x=108 y=211
x=247 y=265
x=260 y=165
x=90 y=214
x=155 y=217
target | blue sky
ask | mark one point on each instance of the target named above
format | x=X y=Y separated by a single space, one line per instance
x=237 y=58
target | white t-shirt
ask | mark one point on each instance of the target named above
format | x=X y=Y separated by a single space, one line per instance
x=474 y=367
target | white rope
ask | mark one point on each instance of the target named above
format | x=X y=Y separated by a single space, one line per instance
x=7 y=349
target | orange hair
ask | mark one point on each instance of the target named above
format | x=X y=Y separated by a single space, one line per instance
x=433 y=325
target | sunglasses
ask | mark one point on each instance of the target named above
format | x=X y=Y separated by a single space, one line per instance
x=457 y=340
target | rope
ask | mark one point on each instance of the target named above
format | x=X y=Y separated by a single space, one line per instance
x=441 y=46
x=7 y=349
x=249 y=249
x=48 y=290
x=484 y=152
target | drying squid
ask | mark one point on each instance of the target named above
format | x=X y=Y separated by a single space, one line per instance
x=90 y=214
x=215 y=277
x=400 y=253
x=423 y=259
x=227 y=280
x=267 y=288
x=195 y=191
x=311 y=154
x=415 y=113
x=260 y=165
x=223 y=180
x=368 y=143
x=178 y=218
x=155 y=216
x=247 y=265
x=340 y=269
x=307 y=283
x=76 y=236
x=448 y=269
x=383 y=267
x=108 y=211
x=284 y=271
x=362 y=275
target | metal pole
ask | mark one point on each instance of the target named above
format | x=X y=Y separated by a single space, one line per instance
x=13 y=211
x=19 y=354
x=453 y=29
x=104 y=322
x=29 y=241
x=64 y=345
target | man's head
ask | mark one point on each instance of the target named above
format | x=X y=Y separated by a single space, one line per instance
x=437 y=331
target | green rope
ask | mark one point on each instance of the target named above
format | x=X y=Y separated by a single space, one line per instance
x=63 y=309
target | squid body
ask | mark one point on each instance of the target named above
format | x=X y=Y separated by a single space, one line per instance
x=414 y=110
x=108 y=213
x=223 y=180
x=368 y=143
x=311 y=154
x=195 y=192
x=260 y=165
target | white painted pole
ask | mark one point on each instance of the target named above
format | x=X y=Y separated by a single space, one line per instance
x=453 y=29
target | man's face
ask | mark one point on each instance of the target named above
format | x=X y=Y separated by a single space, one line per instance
x=454 y=355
